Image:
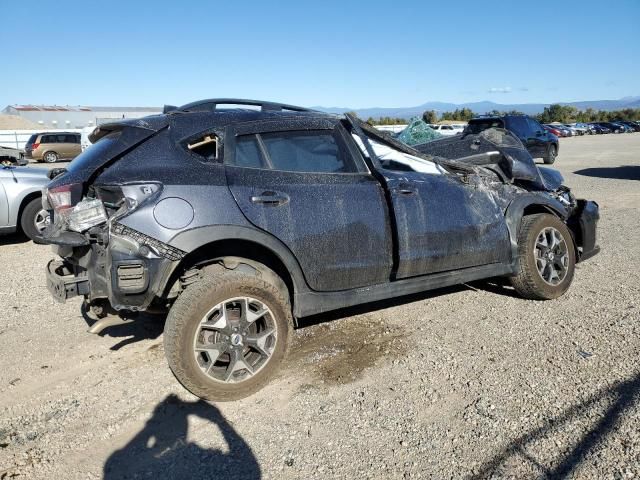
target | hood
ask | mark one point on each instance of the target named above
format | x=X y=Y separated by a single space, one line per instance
x=495 y=147
x=552 y=178
x=24 y=172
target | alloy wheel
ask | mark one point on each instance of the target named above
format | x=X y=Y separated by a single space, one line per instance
x=235 y=339
x=41 y=220
x=552 y=256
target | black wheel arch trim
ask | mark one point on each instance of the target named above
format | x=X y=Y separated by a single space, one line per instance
x=191 y=240
x=516 y=209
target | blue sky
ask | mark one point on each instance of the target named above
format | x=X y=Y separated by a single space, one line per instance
x=329 y=53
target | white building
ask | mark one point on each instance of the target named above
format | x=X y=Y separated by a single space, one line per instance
x=69 y=117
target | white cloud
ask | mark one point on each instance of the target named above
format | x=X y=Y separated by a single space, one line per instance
x=500 y=90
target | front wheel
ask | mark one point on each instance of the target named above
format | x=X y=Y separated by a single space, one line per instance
x=34 y=218
x=227 y=334
x=552 y=151
x=546 y=258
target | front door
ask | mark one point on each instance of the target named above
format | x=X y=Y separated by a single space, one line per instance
x=442 y=223
x=310 y=189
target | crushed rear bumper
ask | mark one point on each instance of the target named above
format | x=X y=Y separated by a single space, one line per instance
x=62 y=282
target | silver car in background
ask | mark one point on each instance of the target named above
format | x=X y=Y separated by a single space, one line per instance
x=10 y=156
x=20 y=200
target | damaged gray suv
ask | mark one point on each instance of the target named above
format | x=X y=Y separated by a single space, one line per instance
x=238 y=221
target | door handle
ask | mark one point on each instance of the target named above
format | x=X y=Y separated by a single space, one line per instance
x=404 y=189
x=270 y=198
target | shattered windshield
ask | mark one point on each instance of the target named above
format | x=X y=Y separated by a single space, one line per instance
x=417 y=133
x=393 y=159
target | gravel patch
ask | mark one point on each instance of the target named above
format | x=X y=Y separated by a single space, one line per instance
x=466 y=382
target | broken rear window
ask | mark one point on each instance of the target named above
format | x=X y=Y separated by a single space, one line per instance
x=206 y=146
x=477 y=126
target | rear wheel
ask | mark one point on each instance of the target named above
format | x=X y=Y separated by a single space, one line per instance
x=552 y=151
x=34 y=218
x=50 y=157
x=227 y=334
x=546 y=258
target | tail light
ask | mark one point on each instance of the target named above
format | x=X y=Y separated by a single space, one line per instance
x=35 y=146
x=64 y=197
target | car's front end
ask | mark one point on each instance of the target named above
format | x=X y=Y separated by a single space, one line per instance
x=12 y=156
x=510 y=170
x=20 y=185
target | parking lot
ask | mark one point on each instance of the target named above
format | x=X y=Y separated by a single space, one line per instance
x=470 y=381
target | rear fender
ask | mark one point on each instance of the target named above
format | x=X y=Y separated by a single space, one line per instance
x=191 y=240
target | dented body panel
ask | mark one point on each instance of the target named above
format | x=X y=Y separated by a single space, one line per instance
x=391 y=220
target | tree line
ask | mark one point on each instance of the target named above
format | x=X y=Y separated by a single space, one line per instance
x=552 y=113
x=569 y=114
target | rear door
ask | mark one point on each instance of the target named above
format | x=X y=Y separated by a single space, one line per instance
x=65 y=145
x=312 y=190
x=73 y=143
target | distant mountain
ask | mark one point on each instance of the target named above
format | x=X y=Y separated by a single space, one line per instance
x=481 y=107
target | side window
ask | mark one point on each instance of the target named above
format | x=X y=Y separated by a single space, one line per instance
x=47 y=139
x=534 y=125
x=308 y=151
x=519 y=126
x=61 y=139
x=207 y=146
x=71 y=139
x=247 y=152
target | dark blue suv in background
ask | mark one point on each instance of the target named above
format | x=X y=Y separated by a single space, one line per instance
x=238 y=221
x=539 y=142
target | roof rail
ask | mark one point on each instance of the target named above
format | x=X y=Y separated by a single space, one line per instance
x=211 y=105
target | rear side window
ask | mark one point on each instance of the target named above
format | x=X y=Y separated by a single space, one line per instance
x=248 y=152
x=534 y=125
x=48 y=139
x=477 y=126
x=315 y=151
x=307 y=151
x=519 y=126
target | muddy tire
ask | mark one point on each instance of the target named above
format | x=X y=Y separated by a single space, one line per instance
x=546 y=258
x=227 y=334
x=34 y=219
x=552 y=152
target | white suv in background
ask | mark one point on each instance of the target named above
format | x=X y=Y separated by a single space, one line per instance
x=447 y=130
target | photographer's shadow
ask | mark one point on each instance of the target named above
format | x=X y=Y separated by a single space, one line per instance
x=162 y=449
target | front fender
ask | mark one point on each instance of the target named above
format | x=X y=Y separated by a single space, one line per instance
x=515 y=212
x=16 y=198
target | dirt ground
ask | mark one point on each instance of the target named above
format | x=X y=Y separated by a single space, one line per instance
x=467 y=382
